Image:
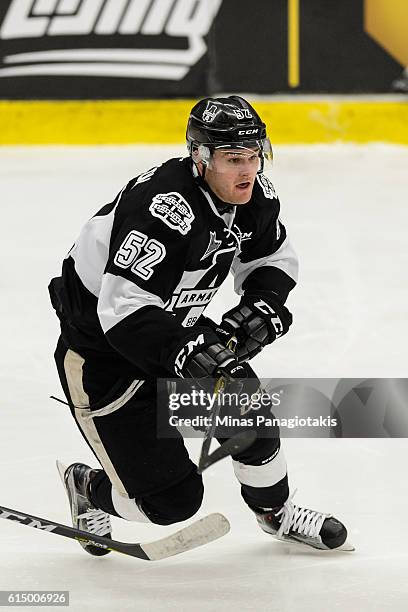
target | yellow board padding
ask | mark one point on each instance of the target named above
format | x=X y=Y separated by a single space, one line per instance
x=164 y=121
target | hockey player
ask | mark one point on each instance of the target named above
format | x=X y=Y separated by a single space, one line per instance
x=130 y=302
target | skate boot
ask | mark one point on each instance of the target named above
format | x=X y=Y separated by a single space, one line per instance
x=297 y=524
x=76 y=479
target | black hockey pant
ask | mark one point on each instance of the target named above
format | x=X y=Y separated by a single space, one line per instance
x=144 y=477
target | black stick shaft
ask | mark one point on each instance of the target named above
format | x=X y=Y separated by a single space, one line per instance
x=134 y=550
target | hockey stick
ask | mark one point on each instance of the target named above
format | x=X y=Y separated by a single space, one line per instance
x=203 y=531
x=234 y=445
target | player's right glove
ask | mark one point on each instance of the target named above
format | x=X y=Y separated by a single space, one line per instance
x=256 y=322
x=202 y=355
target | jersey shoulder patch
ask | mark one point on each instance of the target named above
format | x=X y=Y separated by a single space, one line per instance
x=174 y=210
x=267 y=187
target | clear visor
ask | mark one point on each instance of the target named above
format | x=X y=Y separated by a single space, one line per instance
x=243 y=155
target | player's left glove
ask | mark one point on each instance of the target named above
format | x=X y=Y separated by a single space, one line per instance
x=258 y=320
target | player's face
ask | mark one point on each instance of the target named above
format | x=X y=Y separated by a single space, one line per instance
x=231 y=174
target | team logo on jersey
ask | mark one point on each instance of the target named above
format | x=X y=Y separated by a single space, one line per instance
x=213 y=245
x=173 y=210
x=267 y=187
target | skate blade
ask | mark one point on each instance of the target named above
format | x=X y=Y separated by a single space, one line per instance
x=345 y=547
x=61 y=470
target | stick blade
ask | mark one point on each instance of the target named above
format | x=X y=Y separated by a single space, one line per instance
x=207 y=529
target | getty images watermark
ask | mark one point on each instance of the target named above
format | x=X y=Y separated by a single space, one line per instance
x=305 y=407
x=250 y=410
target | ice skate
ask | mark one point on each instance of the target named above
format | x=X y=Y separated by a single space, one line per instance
x=297 y=524
x=76 y=479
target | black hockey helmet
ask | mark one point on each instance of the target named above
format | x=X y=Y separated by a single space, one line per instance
x=229 y=122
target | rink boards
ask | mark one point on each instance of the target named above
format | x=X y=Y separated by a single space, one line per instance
x=303 y=120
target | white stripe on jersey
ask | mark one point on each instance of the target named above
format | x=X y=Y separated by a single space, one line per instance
x=284 y=258
x=119 y=298
x=91 y=250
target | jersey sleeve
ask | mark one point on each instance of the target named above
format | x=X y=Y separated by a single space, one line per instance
x=147 y=253
x=268 y=261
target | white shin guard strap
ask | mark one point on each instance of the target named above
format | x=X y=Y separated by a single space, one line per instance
x=265 y=475
x=127 y=508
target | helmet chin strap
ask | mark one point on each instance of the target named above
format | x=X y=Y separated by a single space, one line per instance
x=200 y=178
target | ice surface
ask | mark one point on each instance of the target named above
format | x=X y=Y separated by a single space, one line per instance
x=346 y=210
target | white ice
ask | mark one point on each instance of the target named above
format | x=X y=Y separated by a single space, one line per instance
x=346 y=210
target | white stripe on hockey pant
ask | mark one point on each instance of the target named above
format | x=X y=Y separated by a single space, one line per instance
x=264 y=475
x=91 y=434
x=73 y=364
x=128 y=508
x=118 y=403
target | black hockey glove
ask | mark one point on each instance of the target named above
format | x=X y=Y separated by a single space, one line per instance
x=203 y=359
x=256 y=322
x=202 y=355
x=223 y=335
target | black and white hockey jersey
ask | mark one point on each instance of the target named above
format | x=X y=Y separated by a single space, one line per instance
x=146 y=266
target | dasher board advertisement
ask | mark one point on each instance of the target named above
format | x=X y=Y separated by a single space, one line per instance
x=112 y=49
